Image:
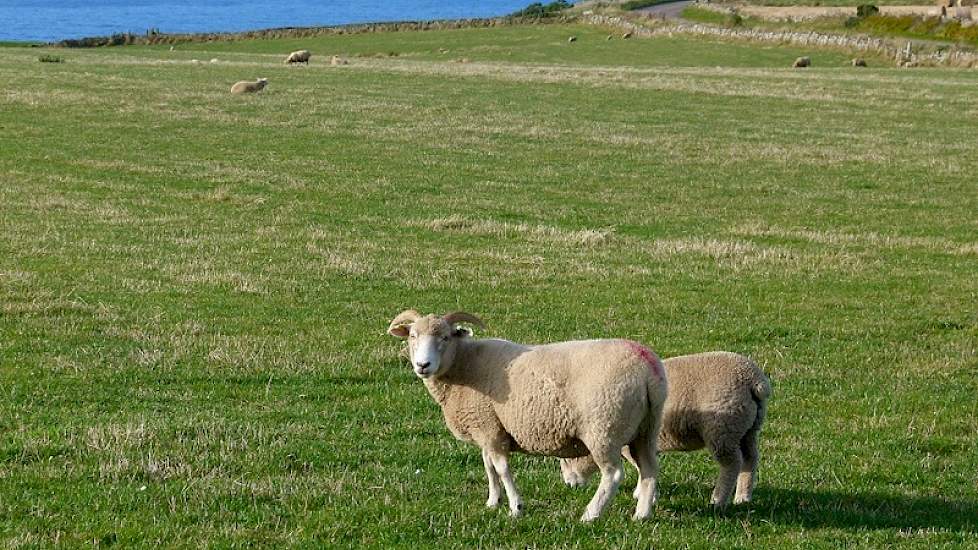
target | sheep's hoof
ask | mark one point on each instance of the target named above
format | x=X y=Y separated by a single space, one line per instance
x=492 y=503
x=516 y=511
x=640 y=517
x=588 y=517
x=741 y=500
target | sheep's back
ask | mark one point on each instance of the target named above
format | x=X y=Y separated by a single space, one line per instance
x=558 y=393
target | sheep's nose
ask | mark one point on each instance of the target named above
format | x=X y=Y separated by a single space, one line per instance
x=423 y=365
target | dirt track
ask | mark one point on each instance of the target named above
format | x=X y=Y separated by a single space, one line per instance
x=672 y=10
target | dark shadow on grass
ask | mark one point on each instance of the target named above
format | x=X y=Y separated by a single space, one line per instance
x=872 y=510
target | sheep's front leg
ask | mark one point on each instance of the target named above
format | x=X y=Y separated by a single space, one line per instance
x=493 y=478
x=610 y=465
x=501 y=464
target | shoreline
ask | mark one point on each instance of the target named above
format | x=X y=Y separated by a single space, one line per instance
x=202 y=22
x=154 y=38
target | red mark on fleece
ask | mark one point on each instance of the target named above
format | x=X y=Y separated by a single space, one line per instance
x=647 y=355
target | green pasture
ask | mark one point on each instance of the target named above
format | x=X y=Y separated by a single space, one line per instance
x=195 y=286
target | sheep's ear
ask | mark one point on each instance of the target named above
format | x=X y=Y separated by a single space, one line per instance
x=457 y=317
x=401 y=325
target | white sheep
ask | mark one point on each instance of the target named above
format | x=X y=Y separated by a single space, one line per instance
x=248 y=87
x=566 y=399
x=716 y=400
x=299 y=56
x=858 y=62
x=802 y=62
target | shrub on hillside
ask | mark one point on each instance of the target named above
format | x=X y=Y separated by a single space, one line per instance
x=733 y=20
x=538 y=9
x=865 y=10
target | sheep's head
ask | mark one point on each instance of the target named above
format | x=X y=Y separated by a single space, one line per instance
x=432 y=340
x=262 y=82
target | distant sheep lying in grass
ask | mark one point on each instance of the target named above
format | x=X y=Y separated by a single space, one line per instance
x=300 y=56
x=247 y=87
x=802 y=62
x=716 y=400
x=566 y=400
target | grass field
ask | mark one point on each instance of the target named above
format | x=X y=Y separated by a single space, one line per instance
x=194 y=286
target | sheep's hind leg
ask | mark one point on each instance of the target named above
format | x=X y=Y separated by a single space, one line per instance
x=748 y=470
x=609 y=462
x=570 y=476
x=627 y=453
x=643 y=451
x=501 y=464
x=493 y=477
x=730 y=464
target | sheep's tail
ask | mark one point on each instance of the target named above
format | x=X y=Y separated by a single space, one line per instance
x=760 y=388
x=657 y=390
x=760 y=392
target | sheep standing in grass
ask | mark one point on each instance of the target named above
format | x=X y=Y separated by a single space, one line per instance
x=300 y=56
x=248 y=87
x=802 y=62
x=716 y=400
x=567 y=400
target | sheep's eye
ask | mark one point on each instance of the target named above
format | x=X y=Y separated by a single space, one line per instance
x=412 y=336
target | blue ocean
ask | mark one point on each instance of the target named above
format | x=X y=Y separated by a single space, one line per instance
x=51 y=20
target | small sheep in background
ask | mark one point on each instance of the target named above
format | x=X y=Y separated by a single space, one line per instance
x=572 y=39
x=248 y=87
x=300 y=56
x=337 y=61
x=626 y=35
x=858 y=62
x=566 y=399
x=716 y=400
x=802 y=62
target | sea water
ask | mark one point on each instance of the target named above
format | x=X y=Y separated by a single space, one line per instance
x=52 y=20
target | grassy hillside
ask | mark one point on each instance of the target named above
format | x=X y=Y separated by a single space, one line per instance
x=194 y=286
x=545 y=44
